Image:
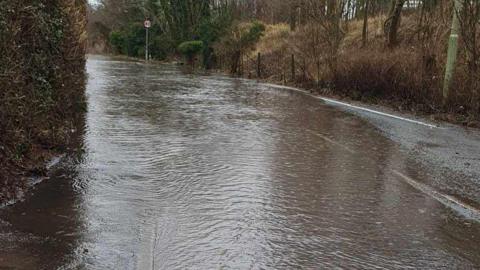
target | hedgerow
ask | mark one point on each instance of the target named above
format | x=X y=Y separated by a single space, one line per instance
x=42 y=60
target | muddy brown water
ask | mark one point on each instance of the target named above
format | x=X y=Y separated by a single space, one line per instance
x=183 y=171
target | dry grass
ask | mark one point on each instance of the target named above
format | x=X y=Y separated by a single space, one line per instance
x=408 y=77
x=354 y=29
x=274 y=39
x=388 y=75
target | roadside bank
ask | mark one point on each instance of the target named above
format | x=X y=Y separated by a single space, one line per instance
x=42 y=85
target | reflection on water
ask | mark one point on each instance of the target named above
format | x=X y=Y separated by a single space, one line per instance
x=43 y=232
x=207 y=172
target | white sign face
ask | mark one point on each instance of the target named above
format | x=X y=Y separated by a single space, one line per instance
x=147 y=24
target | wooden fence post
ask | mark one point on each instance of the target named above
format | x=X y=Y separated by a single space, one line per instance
x=241 y=64
x=318 y=72
x=293 y=67
x=259 y=66
x=304 y=75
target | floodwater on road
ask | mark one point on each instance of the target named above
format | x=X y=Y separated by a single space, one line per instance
x=182 y=171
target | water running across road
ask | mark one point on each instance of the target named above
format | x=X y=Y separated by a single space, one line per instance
x=183 y=171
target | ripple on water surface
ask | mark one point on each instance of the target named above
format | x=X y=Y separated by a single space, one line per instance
x=206 y=172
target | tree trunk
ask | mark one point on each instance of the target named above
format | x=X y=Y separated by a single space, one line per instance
x=235 y=62
x=452 y=51
x=293 y=18
x=365 y=24
x=395 y=18
x=331 y=8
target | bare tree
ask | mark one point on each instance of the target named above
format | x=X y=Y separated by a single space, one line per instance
x=393 y=22
x=365 y=23
x=470 y=33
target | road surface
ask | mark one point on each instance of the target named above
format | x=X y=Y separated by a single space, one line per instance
x=182 y=171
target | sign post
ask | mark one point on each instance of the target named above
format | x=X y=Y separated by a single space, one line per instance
x=147 y=25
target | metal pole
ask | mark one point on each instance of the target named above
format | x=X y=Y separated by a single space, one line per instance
x=146 y=45
x=452 y=50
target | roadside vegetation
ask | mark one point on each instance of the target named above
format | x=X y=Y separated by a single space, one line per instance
x=42 y=45
x=381 y=51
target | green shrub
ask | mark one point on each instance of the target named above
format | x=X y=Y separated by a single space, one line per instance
x=162 y=46
x=135 y=40
x=117 y=41
x=242 y=38
x=255 y=32
x=128 y=41
x=190 y=49
x=210 y=31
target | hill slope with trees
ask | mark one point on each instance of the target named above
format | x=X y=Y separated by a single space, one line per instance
x=385 y=51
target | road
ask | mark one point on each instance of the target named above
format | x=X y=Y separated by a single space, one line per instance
x=182 y=171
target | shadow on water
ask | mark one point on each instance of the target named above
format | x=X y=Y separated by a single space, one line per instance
x=43 y=231
x=182 y=171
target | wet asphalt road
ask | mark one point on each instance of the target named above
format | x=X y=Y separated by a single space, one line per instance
x=183 y=171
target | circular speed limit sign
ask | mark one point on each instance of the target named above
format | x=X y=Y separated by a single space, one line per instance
x=147 y=24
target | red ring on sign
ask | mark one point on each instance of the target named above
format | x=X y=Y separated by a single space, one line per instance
x=147 y=24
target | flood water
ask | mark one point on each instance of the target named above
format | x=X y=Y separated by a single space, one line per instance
x=182 y=171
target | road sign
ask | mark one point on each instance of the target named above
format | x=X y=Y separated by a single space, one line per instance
x=147 y=24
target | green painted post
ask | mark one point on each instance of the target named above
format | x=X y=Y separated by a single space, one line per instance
x=452 y=50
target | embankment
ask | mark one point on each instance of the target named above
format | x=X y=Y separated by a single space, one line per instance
x=42 y=81
x=408 y=77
